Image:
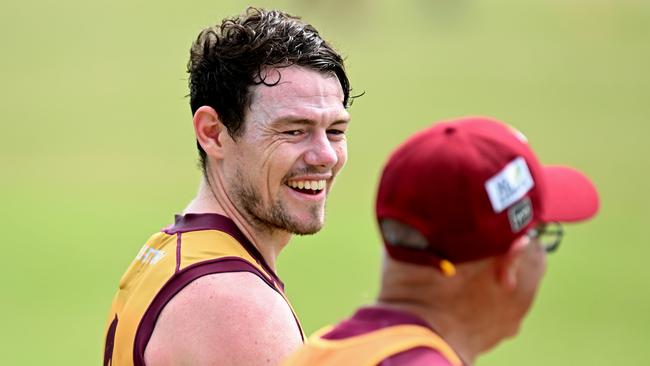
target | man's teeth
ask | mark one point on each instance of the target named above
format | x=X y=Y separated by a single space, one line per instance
x=315 y=185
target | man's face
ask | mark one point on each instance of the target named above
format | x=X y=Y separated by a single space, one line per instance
x=279 y=171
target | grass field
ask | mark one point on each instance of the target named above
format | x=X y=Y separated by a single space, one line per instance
x=97 y=153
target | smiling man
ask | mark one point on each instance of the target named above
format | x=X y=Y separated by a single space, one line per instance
x=268 y=97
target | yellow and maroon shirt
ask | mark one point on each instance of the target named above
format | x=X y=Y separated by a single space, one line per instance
x=376 y=336
x=196 y=245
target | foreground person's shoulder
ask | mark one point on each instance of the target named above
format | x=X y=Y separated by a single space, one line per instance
x=226 y=319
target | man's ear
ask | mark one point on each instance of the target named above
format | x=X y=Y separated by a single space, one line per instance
x=509 y=262
x=209 y=131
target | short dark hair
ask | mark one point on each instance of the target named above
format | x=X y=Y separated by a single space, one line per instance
x=229 y=58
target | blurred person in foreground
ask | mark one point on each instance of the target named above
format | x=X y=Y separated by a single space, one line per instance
x=268 y=97
x=468 y=215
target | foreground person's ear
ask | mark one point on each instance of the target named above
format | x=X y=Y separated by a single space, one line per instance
x=509 y=262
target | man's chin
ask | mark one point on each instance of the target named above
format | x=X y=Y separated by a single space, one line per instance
x=306 y=232
x=305 y=222
x=298 y=221
x=305 y=228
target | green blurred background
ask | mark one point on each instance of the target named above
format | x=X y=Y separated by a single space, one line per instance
x=97 y=152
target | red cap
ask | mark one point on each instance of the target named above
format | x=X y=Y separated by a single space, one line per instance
x=471 y=187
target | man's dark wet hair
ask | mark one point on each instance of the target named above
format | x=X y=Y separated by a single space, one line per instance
x=229 y=58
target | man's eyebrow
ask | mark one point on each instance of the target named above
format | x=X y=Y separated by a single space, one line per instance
x=290 y=120
x=341 y=121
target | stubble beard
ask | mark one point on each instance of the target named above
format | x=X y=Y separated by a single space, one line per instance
x=275 y=216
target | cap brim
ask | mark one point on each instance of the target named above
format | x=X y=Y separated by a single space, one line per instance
x=569 y=195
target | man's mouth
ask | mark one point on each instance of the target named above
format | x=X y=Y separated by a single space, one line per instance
x=312 y=187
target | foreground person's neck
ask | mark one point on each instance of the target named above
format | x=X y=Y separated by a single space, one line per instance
x=211 y=198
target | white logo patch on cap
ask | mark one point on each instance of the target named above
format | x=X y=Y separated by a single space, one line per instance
x=509 y=185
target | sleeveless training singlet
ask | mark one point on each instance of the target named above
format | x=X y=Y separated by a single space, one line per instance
x=195 y=246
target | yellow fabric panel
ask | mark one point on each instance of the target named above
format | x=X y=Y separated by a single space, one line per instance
x=371 y=348
x=138 y=287
x=197 y=246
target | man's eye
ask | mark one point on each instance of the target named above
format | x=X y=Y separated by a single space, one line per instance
x=336 y=133
x=293 y=132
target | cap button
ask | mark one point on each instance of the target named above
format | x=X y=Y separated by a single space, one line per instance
x=450 y=130
x=448 y=269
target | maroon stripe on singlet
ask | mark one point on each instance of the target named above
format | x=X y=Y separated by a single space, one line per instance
x=176 y=283
x=110 y=343
x=178 y=252
x=212 y=221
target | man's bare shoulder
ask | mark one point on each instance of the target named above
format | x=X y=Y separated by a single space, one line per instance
x=225 y=319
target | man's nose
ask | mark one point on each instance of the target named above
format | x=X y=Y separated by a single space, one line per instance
x=321 y=151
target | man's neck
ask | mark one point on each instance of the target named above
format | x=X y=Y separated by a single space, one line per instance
x=413 y=289
x=213 y=199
